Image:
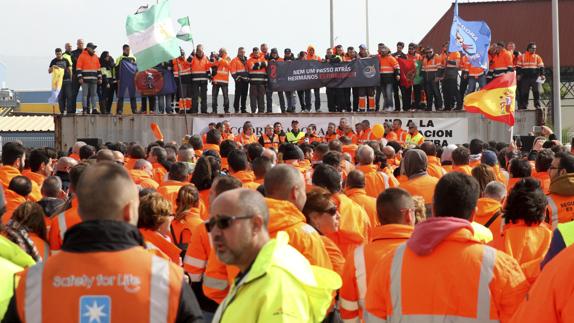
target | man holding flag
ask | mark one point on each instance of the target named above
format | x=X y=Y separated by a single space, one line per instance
x=61 y=71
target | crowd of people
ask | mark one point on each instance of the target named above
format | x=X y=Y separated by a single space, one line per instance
x=438 y=80
x=225 y=228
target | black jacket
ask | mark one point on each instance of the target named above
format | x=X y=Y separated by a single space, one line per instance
x=108 y=235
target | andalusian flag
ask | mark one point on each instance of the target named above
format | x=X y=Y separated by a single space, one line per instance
x=184 y=32
x=496 y=101
x=57 y=79
x=151 y=36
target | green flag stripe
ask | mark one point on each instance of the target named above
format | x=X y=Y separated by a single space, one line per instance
x=154 y=55
x=146 y=19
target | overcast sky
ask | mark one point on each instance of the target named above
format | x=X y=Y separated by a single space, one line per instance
x=32 y=29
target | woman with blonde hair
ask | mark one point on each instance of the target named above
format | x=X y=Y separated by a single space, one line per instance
x=154 y=223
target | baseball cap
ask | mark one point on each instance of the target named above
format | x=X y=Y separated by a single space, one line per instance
x=489 y=158
x=91 y=45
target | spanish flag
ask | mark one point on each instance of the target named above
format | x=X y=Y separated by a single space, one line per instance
x=496 y=101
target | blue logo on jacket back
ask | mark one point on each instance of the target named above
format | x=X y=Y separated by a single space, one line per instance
x=95 y=309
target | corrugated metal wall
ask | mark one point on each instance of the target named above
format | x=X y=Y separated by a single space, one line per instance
x=137 y=128
x=30 y=139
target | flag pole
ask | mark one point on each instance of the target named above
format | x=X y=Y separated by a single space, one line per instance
x=556 y=104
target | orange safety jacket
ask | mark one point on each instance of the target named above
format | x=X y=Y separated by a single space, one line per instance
x=354 y=218
x=60 y=223
x=169 y=190
x=369 y=203
x=200 y=69
x=182 y=68
x=527 y=244
x=502 y=63
x=335 y=255
x=530 y=65
x=13 y=200
x=560 y=209
x=472 y=71
x=8 y=172
x=359 y=267
x=245 y=140
x=159 y=173
x=482 y=285
x=143 y=179
x=376 y=181
x=199 y=248
x=100 y=284
x=238 y=69
x=223 y=67
x=34 y=177
x=88 y=67
x=544 y=180
x=161 y=246
x=422 y=185
x=349 y=134
x=41 y=245
x=365 y=136
x=550 y=298
x=465 y=169
x=434 y=167
x=331 y=136
x=388 y=66
x=267 y=142
x=401 y=135
x=431 y=68
x=182 y=229
x=247 y=178
x=486 y=209
x=204 y=204
x=257 y=70
x=130 y=163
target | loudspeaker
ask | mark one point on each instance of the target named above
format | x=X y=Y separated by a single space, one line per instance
x=95 y=142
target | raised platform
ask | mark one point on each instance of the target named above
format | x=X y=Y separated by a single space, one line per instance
x=441 y=127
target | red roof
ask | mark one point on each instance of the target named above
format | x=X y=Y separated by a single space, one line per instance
x=520 y=22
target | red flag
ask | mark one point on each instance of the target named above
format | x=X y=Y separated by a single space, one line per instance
x=408 y=71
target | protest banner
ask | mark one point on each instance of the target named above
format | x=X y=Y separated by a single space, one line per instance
x=302 y=74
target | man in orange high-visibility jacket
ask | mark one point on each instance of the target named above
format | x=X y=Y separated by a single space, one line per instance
x=355 y=190
x=16 y=194
x=354 y=226
x=461 y=161
x=561 y=197
x=530 y=68
x=376 y=181
x=221 y=81
x=13 y=157
x=395 y=209
x=141 y=174
x=103 y=265
x=157 y=157
x=398 y=130
x=481 y=285
x=432 y=72
x=419 y=181
x=182 y=72
x=550 y=298
x=542 y=166
x=177 y=177
x=390 y=72
x=257 y=73
x=68 y=216
x=489 y=207
x=238 y=69
x=40 y=166
x=89 y=77
x=434 y=167
x=200 y=75
x=239 y=168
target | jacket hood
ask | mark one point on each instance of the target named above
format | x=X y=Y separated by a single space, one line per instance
x=486 y=206
x=392 y=231
x=317 y=282
x=563 y=185
x=430 y=233
x=415 y=163
x=282 y=215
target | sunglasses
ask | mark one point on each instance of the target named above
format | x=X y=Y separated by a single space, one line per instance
x=331 y=211
x=223 y=221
